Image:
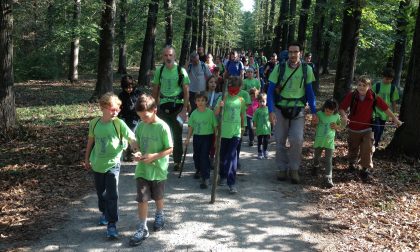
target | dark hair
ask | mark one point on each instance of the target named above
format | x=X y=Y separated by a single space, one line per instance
x=308 y=54
x=208 y=80
x=216 y=69
x=330 y=104
x=235 y=81
x=145 y=103
x=388 y=73
x=200 y=95
x=126 y=81
x=295 y=43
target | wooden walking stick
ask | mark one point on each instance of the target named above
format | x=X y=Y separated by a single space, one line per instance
x=218 y=141
x=183 y=161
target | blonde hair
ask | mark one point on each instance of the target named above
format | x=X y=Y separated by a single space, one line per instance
x=109 y=100
x=365 y=79
x=262 y=97
x=254 y=91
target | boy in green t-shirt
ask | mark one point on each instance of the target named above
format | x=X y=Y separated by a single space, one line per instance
x=389 y=93
x=155 y=143
x=328 y=122
x=263 y=126
x=231 y=130
x=250 y=81
x=106 y=142
x=202 y=123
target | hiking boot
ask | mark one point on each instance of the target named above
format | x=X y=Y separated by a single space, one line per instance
x=365 y=176
x=204 y=184
x=294 y=176
x=266 y=154
x=177 y=167
x=102 y=220
x=233 y=190
x=315 y=170
x=139 y=236
x=197 y=174
x=159 y=222
x=260 y=156
x=328 y=182
x=111 y=231
x=282 y=175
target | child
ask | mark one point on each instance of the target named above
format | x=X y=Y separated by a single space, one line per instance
x=219 y=63
x=389 y=93
x=262 y=125
x=250 y=81
x=128 y=97
x=155 y=142
x=103 y=153
x=202 y=123
x=253 y=93
x=219 y=79
x=212 y=93
x=231 y=130
x=247 y=99
x=328 y=123
x=362 y=104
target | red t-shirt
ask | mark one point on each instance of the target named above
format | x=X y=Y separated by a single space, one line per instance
x=361 y=117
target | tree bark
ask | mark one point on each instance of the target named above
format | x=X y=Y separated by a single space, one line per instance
x=186 y=40
x=200 y=22
x=169 y=30
x=266 y=23
x=352 y=15
x=146 y=63
x=292 y=21
x=303 y=22
x=317 y=39
x=75 y=44
x=205 y=26
x=270 y=28
x=401 y=40
x=122 y=56
x=106 y=51
x=324 y=69
x=211 y=44
x=280 y=28
x=7 y=95
x=194 y=21
x=406 y=138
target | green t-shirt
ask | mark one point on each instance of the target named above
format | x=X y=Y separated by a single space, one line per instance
x=324 y=136
x=168 y=82
x=262 y=121
x=294 y=88
x=231 y=121
x=108 y=148
x=202 y=123
x=153 y=138
x=247 y=99
x=251 y=83
x=385 y=94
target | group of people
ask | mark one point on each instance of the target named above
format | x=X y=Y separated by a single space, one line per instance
x=274 y=107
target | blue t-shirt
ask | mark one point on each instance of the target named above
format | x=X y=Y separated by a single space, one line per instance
x=234 y=68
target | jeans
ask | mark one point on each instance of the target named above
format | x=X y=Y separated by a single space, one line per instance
x=201 y=156
x=249 y=127
x=228 y=159
x=106 y=185
x=262 y=140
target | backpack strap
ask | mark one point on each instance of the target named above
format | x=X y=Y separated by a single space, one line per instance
x=377 y=87
x=180 y=75
x=117 y=126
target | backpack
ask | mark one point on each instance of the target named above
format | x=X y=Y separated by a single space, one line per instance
x=117 y=126
x=180 y=81
x=378 y=87
x=279 y=89
x=353 y=103
x=203 y=67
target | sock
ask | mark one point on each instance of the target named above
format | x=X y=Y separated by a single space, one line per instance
x=142 y=224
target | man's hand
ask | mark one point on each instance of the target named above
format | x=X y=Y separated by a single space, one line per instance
x=314 y=119
x=86 y=165
x=273 y=118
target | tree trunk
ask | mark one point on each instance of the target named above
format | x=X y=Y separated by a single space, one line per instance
x=211 y=46
x=122 y=56
x=266 y=22
x=401 y=40
x=200 y=22
x=303 y=22
x=169 y=30
x=270 y=24
x=346 y=62
x=281 y=25
x=147 y=55
x=325 y=61
x=317 y=32
x=7 y=95
x=205 y=26
x=406 y=138
x=186 y=40
x=75 y=44
x=285 y=24
x=106 y=51
x=292 y=21
x=194 y=21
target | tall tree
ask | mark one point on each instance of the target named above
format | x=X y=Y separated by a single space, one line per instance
x=75 y=43
x=146 y=63
x=266 y=22
x=186 y=40
x=292 y=21
x=106 y=50
x=317 y=39
x=7 y=95
x=303 y=22
x=406 y=138
x=270 y=25
x=205 y=26
x=194 y=38
x=200 y=22
x=346 y=62
x=169 y=30
x=401 y=40
x=122 y=45
x=210 y=22
x=280 y=39
x=325 y=61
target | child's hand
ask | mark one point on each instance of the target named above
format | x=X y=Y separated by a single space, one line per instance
x=187 y=141
x=334 y=126
x=137 y=156
x=344 y=121
x=397 y=122
x=148 y=158
x=86 y=165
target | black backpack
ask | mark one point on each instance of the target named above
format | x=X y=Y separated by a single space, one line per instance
x=279 y=88
x=180 y=81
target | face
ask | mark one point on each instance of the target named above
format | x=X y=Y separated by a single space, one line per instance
x=387 y=80
x=218 y=60
x=195 y=60
x=201 y=102
x=273 y=58
x=362 y=87
x=328 y=112
x=200 y=50
x=128 y=89
x=110 y=112
x=294 y=54
x=147 y=116
x=233 y=56
x=251 y=60
x=263 y=102
x=212 y=84
x=308 y=58
x=169 y=56
x=249 y=74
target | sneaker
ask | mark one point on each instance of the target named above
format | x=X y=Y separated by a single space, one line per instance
x=139 y=236
x=282 y=175
x=177 y=167
x=251 y=143
x=159 y=222
x=365 y=176
x=315 y=169
x=102 y=220
x=260 y=156
x=266 y=154
x=221 y=182
x=204 y=184
x=294 y=176
x=328 y=182
x=111 y=231
x=197 y=174
x=232 y=189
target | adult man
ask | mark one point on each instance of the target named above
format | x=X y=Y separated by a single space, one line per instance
x=170 y=88
x=286 y=100
x=201 y=54
x=198 y=73
x=234 y=66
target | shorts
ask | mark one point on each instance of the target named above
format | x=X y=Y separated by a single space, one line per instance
x=147 y=190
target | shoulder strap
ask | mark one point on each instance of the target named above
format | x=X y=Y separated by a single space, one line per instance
x=203 y=66
x=282 y=69
x=378 y=87
x=304 y=72
x=180 y=76
x=353 y=102
x=94 y=125
x=160 y=72
x=392 y=91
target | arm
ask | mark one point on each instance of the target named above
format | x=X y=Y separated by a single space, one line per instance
x=310 y=97
x=155 y=92
x=190 y=132
x=150 y=157
x=134 y=145
x=186 y=90
x=394 y=106
x=389 y=113
x=89 y=146
x=343 y=117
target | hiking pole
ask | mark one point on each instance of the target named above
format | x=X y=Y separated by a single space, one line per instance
x=218 y=141
x=183 y=161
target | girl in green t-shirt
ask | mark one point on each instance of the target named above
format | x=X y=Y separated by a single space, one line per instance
x=329 y=122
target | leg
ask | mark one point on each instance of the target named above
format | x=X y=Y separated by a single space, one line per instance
x=111 y=194
x=192 y=101
x=354 y=141
x=232 y=160
x=328 y=162
x=281 y=130
x=176 y=130
x=317 y=156
x=265 y=145
x=296 y=142
x=196 y=152
x=100 y=189
x=250 y=131
x=204 y=156
x=366 y=150
x=223 y=166
x=238 y=152
x=259 y=145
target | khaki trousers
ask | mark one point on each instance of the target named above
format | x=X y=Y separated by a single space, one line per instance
x=360 y=147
